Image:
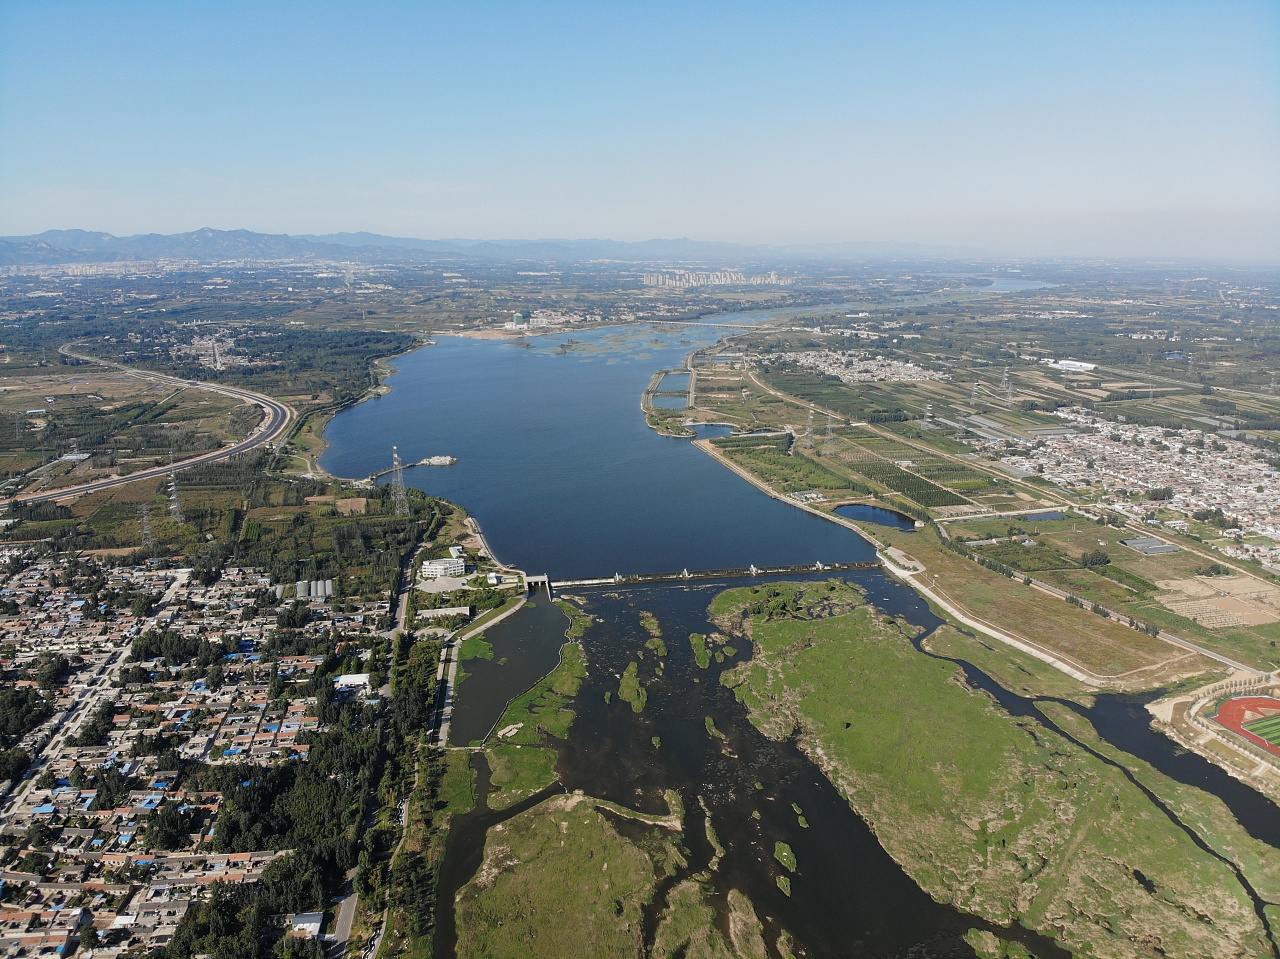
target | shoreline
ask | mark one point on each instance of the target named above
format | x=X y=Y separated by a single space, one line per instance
x=895 y=565
x=380 y=369
x=947 y=610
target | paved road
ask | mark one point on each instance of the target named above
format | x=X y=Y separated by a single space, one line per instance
x=405 y=588
x=343 y=918
x=277 y=420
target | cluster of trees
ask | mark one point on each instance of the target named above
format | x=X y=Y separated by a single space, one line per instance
x=1215 y=517
x=1213 y=569
x=169 y=827
x=21 y=710
x=39 y=512
x=1255 y=419
x=317 y=808
x=93 y=732
x=415 y=684
x=777 y=602
x=234 y=921
x=362 y=554
x=908 y=484
x=293 y=616
x=113 y=787
x=175 y=649
x=280 y=358
x=779 y=443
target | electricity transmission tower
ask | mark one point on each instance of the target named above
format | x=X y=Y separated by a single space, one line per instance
x=175 y=504
x=148 y=534
x=399 y=497
x=828 y=445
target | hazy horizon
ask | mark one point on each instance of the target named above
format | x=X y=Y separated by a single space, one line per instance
x=722 y=251
x=995 y=129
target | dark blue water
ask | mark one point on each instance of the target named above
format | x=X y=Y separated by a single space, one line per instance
x=556 y=461
x=526 y=647
x=670 y=402
x=674 y=381
x=864 y=513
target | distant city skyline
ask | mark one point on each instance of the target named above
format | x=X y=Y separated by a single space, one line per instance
x=999 y=128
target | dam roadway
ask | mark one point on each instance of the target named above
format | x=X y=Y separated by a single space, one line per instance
x=634 y=579
x=277 y=419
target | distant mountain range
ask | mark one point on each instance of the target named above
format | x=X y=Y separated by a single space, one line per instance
x=83 y=246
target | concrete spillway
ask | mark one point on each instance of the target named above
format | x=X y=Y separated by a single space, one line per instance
x=741 y=572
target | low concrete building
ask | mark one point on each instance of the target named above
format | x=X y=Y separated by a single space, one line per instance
x=446 y=611
x=451 y=566
x=1149 y=545
x=307 y=923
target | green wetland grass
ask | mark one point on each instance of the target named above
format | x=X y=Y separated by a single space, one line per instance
x=1001 y=816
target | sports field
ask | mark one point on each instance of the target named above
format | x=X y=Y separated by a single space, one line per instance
x=1256 y=718
x=1268 y=729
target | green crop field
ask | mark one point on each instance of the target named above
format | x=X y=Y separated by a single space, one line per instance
x=899 y=480
x=788 y=473
x=1268 y=729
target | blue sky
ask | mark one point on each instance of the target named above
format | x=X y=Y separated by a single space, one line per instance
x=1023 y=128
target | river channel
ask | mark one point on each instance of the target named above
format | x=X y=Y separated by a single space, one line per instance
x=557 y=464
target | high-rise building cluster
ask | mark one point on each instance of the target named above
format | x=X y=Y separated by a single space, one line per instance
x=687 y=279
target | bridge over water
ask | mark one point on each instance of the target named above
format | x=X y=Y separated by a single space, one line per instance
x=685 y=575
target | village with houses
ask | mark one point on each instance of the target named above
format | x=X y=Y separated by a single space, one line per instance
x=145 y=677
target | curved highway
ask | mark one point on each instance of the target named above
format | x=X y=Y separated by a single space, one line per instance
x=276 y=420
